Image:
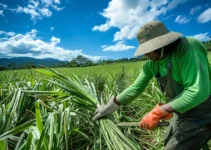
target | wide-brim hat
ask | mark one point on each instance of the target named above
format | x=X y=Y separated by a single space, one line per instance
x=154 y=35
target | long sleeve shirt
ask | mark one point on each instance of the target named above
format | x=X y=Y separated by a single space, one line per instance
x=190 y=69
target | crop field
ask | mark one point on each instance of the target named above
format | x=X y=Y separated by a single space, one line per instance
x=52 y=109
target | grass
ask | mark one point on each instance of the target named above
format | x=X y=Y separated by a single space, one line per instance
x=53 y=109
x=61 y=111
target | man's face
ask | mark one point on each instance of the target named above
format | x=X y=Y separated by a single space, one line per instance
x=153 y=56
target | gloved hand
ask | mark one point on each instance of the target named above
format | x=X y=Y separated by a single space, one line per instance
x=151 y=119
x=109 y=108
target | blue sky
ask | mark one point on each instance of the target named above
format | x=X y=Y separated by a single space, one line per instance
x=97 y=29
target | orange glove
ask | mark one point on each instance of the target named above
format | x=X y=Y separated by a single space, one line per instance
x=152 y=118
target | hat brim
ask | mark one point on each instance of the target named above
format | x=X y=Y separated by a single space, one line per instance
x=157 y=43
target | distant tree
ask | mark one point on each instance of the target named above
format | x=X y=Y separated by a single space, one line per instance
x=29 y=65
x=133 y=59
x=12 y=65
x=72 y=63
x=124 y=59
x=109 y=61
x=61 y=64
x=2 y=68
x=100 y=62
x=33 y=66
x=80 y=61
x=84 y=61
x=207 y=45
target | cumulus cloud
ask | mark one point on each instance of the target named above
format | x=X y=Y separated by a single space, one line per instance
x=94 y=58
x=182 y=19
x=205 y=16
x=202 y=36
x=195 y=9
x=55 y=40
x=103 y=27
x=129 y=15
x=29 y=45
x=38 y=9
x=120 y=46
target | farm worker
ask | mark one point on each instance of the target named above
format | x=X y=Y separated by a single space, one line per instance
x=182 y=70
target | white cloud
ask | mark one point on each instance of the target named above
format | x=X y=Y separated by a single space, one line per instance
x=45 y=12
x=120 y=46
x=33 y=4
x=158 y=3
x=202 y=36
x=7 y=33
x=168 y=17
x=53 y=3
x=51 y=28
x=57 y=8
x=3 y=6
x=129 y=15
x=47 y=2
x=38 y=10
x=126 y=31
x=174 y=3
x=55 y=40
x=182 y=19
x=103 y=27
x=195 y=9
x=1 y=12
x=205 y=16
x=57 y=1
x=29 y=10
x=29 y=45
x=93 y=58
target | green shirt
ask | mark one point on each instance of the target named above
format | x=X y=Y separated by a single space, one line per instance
x=190 y=69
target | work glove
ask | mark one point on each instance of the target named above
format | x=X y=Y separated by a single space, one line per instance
x=109 y=108
x=152 y=118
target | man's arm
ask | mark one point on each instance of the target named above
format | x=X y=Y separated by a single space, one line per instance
x=135 y=89
x=168 y=108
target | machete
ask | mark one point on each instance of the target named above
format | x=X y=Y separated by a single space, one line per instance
x=136 y=124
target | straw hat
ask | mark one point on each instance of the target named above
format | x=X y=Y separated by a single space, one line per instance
x=154 y=35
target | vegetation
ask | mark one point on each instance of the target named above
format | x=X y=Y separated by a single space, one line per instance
x=45 y=109
x=207 y=45
x=52 y=109
x=81 y=61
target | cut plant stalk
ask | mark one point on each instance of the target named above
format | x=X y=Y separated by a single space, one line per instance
x=112 y=135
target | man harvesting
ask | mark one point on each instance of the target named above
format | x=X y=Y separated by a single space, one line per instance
x=182 y=70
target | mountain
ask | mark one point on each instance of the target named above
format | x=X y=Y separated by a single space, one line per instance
x=20 y=61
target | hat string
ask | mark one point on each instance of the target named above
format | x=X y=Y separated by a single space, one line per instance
x=161 y=56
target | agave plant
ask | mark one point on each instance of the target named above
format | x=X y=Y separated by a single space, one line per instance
x=54 y=111
x=11 y=125
x=70 y=107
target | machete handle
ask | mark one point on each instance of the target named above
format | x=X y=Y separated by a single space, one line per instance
x=163 y=124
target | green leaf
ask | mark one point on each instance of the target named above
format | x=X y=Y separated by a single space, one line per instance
x=17 y=129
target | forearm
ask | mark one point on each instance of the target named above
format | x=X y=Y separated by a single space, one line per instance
x=135 y=89
x=168 y=108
